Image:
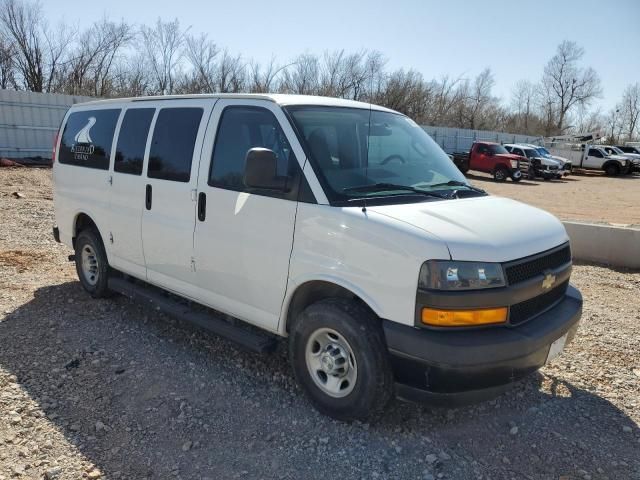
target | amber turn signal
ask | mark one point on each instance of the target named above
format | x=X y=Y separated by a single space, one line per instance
x=463 y=318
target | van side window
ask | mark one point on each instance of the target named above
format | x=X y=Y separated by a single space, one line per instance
x=174 y=138
x=132 y=140
x=87 y=138
x=242 y=128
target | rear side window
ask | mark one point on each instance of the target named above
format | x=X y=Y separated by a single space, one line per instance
x=87 y=138
x=241 y=129
x=595 y=153
x=173 y=143
x=132 y=140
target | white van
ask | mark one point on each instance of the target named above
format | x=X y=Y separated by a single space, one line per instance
x=337 y=224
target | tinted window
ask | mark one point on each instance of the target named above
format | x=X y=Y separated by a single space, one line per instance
x=87 y=138
x=173 y=142
x=241 y=129
x=595 y=153
x=132 y=140
x=497 y=149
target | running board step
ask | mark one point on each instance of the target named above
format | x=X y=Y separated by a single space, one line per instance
x=149 y=296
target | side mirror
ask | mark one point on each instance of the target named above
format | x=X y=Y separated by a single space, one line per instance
x=260 y=170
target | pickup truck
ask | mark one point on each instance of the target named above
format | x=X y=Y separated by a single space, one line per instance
x=593 y=157
x=490 y=158
x=633 y=157
x=538 y=165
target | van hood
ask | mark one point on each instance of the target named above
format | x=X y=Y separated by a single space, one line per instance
x=489 y=229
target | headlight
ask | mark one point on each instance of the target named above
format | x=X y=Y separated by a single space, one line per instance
x=514 y=164
x=449 y=275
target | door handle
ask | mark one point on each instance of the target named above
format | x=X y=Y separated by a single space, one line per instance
x=202 y=206
x=147 y=197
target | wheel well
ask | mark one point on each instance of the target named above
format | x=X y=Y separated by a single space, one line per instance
x=612 y=162
x=314 y=291
x=83 y=221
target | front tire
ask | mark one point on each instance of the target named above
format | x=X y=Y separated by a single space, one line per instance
x=91 y=263
x=612 y=170
x=339 y=358
x=500 y=174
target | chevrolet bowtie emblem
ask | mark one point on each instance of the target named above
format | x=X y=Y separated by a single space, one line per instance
x=549 y=280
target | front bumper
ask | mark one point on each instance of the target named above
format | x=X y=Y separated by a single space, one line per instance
x=464 y=366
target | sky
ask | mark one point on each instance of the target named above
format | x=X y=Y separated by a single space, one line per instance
x=447 y=37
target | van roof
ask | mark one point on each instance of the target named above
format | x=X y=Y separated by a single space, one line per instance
x=280 y=99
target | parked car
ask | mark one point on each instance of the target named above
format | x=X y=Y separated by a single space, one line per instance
x=490 y=158
x=337 y=226
x=565 y=164
x=633 y=157
x=538 y=166
x=629 y=149
x=592 y=157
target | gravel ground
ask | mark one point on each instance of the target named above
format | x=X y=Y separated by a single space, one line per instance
x=107 y=389
x=585 y=196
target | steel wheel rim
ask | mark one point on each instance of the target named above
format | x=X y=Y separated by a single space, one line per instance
x=499 y=175
x=89 y=265
x=331 y=363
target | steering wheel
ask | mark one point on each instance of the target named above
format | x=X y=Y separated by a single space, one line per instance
x=393 y=157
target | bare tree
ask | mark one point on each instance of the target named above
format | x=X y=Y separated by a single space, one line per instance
x=630 y=109
x=38 y=51
x=477 y=99
x=588 y=121
x=303 y=75
x=446 y=95
x=88 y=70
x=132 y=77
x=163 y=47
x=264 y=80
x=614 y=125
x=522 y=101
x=202 y=54
x=7 y=58
x=406 y=92
x=570 y=84
x=231 y=74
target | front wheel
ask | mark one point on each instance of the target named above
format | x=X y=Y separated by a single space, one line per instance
x=500 y=174
x=612 y=170
x=339 y=357
x=91 y=263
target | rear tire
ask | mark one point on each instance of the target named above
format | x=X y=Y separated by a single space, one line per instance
x=91 y=263
x=339 y=358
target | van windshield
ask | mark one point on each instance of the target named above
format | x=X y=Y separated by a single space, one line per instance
x=360 y=153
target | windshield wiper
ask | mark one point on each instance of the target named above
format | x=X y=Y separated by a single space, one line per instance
x=456 y=183
x=383 y=187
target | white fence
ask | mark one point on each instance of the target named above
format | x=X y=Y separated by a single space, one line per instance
x=460 y=139
x=29 y=121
